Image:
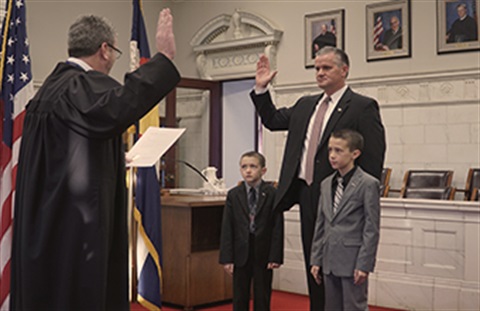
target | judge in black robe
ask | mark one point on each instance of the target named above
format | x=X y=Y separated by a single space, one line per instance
x=464 y=29
x=70 y=240
x=323 y=39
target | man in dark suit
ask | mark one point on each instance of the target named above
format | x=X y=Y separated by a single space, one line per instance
x=301 y=173
x=251 y=243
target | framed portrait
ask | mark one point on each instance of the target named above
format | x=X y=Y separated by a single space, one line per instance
x=388 y=30
x=321 y=29
x=457 y=26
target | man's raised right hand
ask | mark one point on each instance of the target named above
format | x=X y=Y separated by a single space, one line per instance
x=263 y=75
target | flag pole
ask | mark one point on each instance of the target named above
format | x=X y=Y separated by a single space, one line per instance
x=132 y=224
x=133 y=233
x=6 y=22
x=132 y=136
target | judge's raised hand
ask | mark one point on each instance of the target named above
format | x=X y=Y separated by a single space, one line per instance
x=165 y=40
x=263 y=74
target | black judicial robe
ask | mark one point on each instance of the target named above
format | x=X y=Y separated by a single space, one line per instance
x=70 y=239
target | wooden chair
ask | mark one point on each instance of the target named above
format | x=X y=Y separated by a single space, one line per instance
x=472 y=183
x=475 y=194
x=385 y=182
x=428 y=184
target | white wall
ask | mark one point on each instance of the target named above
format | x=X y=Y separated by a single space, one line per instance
x=48 y=23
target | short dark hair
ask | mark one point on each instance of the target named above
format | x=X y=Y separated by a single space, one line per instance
x=87 y=34
x=257 y=155
x=342 y=57
x=353 y=138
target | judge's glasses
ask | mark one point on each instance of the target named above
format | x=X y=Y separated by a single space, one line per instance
x=117 y=51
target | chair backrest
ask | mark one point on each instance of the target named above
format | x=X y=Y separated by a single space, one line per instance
x=445 y=193
x=385 y=181
x=427 y=180
x=473 y=182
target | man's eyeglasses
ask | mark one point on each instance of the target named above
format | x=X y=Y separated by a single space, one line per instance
x=119 y=53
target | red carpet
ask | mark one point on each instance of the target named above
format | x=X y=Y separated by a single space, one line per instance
x=281 y=301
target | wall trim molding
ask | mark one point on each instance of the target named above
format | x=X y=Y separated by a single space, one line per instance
x=228 y=46
x=420 y=89
x=389 y=80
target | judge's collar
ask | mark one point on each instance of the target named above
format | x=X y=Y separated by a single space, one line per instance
x=80 y=63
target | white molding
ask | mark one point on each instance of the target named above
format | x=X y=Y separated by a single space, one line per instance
x=211 y=30
x=228 y=46
x=420 y=89
x=471 y=209
x=399 y=79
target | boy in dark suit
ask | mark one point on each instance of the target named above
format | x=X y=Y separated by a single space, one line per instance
x=347 y=226
x=251 y=243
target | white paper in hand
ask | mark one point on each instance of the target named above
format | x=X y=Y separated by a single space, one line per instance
x=152 y=145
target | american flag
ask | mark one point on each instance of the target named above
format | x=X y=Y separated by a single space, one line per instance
x=147 y=212
x=377 y=31
x=17 y=89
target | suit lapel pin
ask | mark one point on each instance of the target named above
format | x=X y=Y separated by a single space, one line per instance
x=339 y=109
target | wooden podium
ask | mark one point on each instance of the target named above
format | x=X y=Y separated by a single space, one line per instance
x=191 y=227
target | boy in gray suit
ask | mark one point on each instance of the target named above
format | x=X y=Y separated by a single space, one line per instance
x=251 y=242
x=347 y=226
